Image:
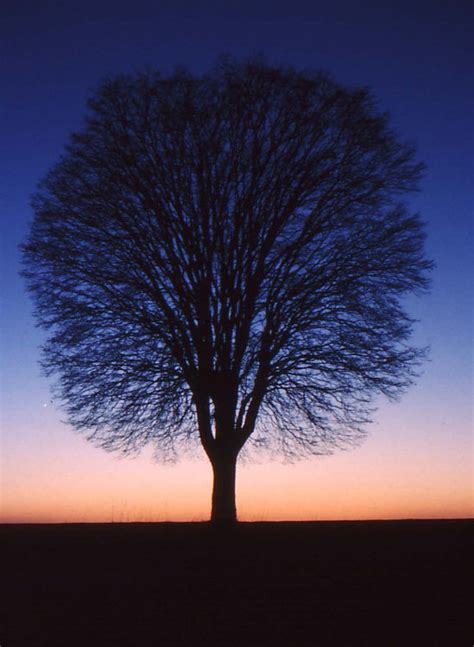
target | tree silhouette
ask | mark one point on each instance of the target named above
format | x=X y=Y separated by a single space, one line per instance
x=223 y=258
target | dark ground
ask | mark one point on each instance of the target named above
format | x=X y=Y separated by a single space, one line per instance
x=323 y=583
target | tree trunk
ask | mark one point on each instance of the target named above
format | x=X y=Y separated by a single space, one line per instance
x=223 y=491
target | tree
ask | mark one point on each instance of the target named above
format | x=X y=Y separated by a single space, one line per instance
x=224 y=258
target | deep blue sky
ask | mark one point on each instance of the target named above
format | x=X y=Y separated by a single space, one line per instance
x=416 y=56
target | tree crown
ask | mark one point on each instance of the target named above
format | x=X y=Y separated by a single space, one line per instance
x=227 y=254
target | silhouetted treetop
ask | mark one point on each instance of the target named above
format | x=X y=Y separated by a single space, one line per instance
x=224 y=257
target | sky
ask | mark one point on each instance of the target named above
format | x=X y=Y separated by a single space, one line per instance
x=417 y=57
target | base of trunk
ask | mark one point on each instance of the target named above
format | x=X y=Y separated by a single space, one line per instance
x=224 y=511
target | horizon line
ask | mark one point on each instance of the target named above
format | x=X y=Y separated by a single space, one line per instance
x=207 y=521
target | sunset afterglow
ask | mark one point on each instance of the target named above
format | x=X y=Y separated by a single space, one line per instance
x=417 y=460
x=66 y=479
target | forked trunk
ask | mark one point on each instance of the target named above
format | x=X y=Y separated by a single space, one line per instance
x=223 y=491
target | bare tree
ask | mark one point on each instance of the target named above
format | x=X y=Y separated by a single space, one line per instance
x=223 y=258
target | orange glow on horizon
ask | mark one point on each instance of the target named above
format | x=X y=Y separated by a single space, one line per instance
x=313 y=490
x=404 y=469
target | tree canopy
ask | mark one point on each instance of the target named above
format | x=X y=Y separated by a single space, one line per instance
x=225 y=258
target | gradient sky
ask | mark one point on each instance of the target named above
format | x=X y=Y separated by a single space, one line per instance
x=418 y=59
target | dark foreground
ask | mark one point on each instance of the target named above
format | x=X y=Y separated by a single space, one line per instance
x=327 y=583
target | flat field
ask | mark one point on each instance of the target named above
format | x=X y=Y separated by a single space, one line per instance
x=259 y=584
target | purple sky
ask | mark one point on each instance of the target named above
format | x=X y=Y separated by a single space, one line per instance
x=418 y=59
